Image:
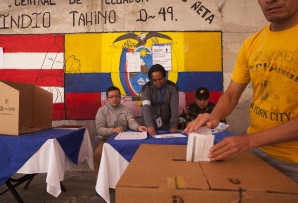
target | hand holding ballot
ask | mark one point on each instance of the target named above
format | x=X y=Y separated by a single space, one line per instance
x=203 y=119
x=229 y=147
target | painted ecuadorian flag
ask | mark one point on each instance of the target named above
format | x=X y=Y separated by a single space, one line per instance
x=102 y=62
x=78 y=68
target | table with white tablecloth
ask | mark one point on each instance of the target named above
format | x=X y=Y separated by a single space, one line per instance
x=51 y=151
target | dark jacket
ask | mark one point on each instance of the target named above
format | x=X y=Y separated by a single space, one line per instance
x=191 y=112
x=166 y=99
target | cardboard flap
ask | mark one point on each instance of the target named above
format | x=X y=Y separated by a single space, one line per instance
x=9 y=109
x=25 y=103
x=246 y=172
x=42 y=108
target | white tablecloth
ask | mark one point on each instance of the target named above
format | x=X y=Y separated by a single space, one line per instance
x=112 y=166
x=51 y=159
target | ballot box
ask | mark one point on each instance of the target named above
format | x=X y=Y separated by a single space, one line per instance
x=24 y=108
x=161 y=174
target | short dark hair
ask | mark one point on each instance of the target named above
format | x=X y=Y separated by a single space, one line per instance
x=111 y=89
x=156 y=68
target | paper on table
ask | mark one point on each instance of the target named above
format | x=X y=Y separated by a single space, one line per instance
x=198 y=145
x=172 y=135
x=131 y=136
x=69 y=127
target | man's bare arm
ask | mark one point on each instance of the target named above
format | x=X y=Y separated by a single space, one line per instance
x=235 y=145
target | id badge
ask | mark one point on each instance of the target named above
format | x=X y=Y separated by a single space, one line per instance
x=159 y=122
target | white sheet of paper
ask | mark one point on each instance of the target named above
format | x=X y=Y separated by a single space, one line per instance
x=162 y=54
x=133 y=62
x=172 y=135
x=204 y=130
x=131 y=136
x=198 y=145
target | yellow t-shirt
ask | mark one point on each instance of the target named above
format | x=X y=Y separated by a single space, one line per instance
x=270 y=61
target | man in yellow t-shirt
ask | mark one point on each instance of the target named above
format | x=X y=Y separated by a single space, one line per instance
x=269 y=60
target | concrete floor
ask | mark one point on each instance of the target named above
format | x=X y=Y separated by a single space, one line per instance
x=79 y=183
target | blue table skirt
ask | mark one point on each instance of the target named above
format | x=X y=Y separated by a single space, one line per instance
x=127 y=148
x=16 y=150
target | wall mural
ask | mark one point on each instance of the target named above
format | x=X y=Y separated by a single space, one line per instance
x=77 y=75
x=78 y=67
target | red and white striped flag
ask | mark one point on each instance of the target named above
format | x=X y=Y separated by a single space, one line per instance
x=36 y=59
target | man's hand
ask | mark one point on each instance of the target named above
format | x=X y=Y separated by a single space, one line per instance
x=141 y=128
x=229 y=147
x=202 y=119
x=117 y=130
x=151 y=131
x=173 y=130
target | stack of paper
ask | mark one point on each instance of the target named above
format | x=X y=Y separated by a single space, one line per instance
x=198 y=144
x=69 y=127
x=131 y=136
x=171 y=135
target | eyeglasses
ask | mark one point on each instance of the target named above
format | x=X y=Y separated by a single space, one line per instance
x=158 y=79
x=114 y=96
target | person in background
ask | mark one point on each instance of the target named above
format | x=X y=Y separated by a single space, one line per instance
x=113 y=118
x=160 y=99
x=200 y=106
x=267 y=59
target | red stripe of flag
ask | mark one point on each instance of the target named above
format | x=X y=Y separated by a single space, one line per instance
x=54 y=77
x=30 y=43
x=82 y=105
x=58 y=111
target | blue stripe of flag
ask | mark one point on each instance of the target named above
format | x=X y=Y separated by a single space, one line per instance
x=99 y=82
x=190 y=81
x=87 y=82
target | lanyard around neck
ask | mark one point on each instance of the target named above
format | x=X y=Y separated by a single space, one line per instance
x=156 y=98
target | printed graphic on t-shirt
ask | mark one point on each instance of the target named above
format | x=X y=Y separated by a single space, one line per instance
x=275 y=77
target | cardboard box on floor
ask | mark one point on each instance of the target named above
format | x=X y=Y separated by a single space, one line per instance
x=160 y=174
x=24 y=108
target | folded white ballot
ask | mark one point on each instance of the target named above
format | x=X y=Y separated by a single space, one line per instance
x=131 y=136
x=198 y=144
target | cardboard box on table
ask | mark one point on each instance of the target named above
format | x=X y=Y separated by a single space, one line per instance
x=24 y=108
x=160 y=174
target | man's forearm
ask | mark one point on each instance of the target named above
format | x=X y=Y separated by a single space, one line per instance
x=147 y=115
x=223 y=108
x=103 y=131
x=228 y=100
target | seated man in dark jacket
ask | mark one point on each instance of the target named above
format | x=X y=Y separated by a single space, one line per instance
x=202 y=105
